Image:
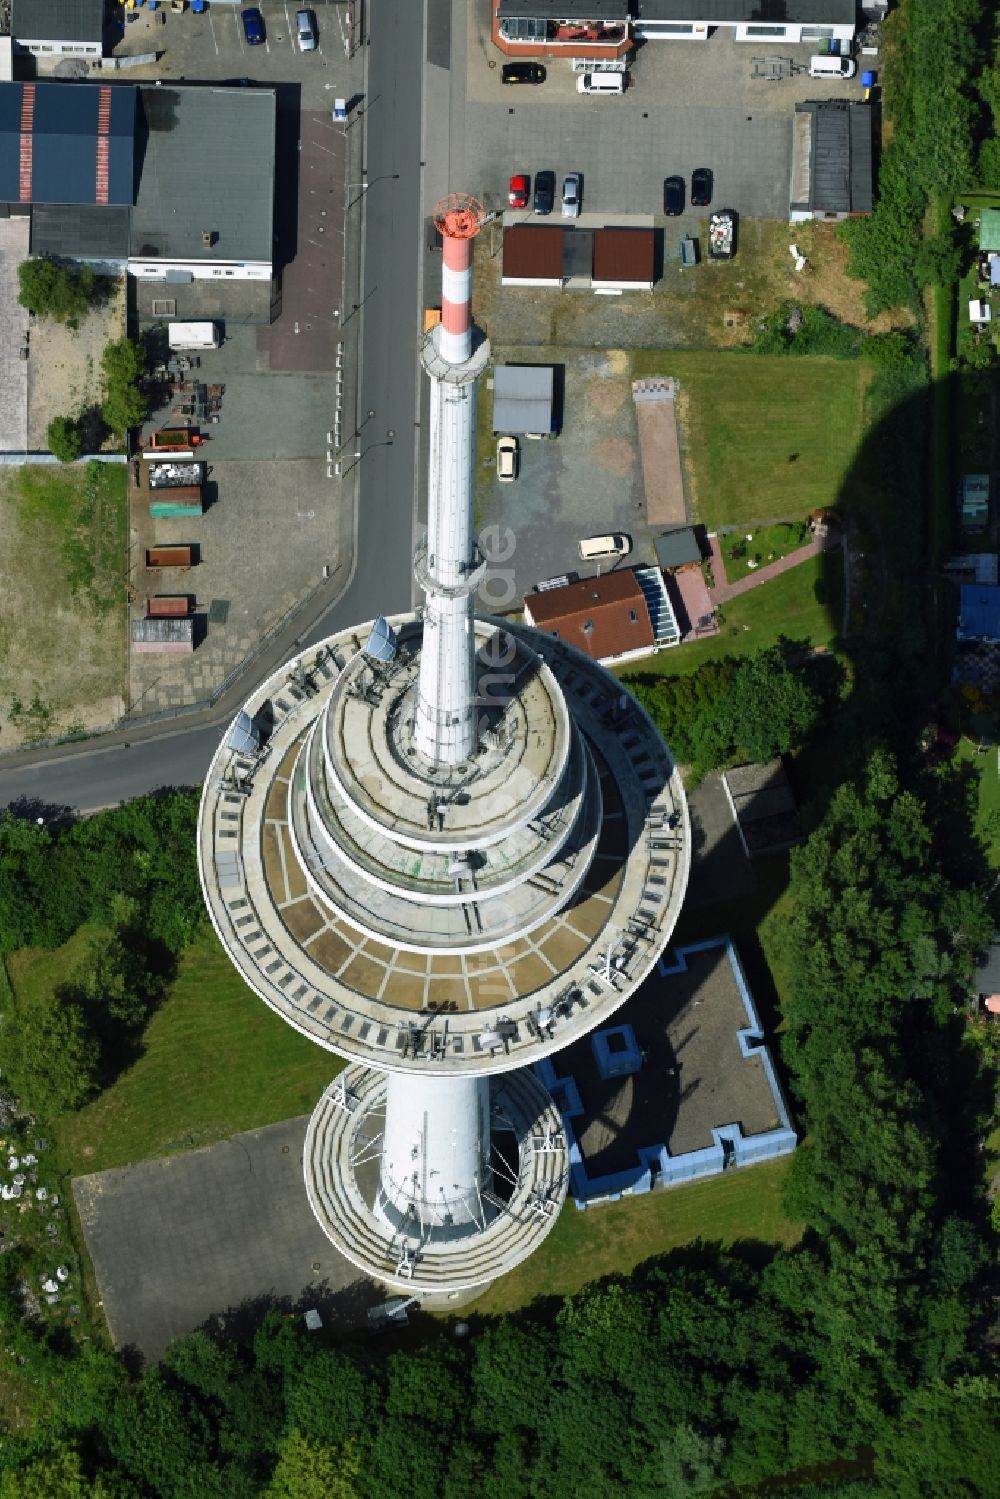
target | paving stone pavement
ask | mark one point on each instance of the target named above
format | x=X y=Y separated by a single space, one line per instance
x=218 y=1233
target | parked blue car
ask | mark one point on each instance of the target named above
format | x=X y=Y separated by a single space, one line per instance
x=253 y=26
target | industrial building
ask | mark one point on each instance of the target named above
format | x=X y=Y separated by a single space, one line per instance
x=103 y=173
x=833 y=160
x=59 y=28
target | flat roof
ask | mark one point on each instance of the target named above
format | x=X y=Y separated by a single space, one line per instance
x=624 y=256
x=58 y=20
x=604 y=11
x=67 y=161
x=678 y=547
x=522 y=398
x=840 y=155
x=766 y=12
x=208 y=168
x=533 y=252
x=604 y=617
x=82 y=230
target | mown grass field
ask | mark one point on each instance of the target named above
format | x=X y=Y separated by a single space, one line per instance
x=216 y=1061
x=62 y=611
x=615 y=1237
x=765 y=437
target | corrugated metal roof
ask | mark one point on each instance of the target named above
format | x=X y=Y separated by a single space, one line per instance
x=64 y=143
x=839 y=160
x=208 y=168
x=522 y=398
x=979 y=612
x=58 y=20
x=605 y=617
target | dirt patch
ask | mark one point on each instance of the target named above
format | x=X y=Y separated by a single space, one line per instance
x=615 y=455
x=62 y=611
x=64 y=370
x=605 y=397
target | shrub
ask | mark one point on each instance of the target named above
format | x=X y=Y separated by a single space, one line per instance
x=63 y=437
x=56 y=291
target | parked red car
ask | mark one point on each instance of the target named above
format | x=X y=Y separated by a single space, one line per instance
x=520 y=188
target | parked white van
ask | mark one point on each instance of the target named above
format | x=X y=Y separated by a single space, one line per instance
x=614 y=545
x=600 y=83
x=832 y=67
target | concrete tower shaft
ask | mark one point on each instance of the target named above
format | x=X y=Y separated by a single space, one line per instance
x=445 y=720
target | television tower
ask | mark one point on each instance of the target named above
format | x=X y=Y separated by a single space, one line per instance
x=442 y=847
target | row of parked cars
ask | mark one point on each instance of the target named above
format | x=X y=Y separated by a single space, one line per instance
x=519 y=193
x=253 y=28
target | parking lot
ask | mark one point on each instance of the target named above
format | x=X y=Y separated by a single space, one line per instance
x=687 y=105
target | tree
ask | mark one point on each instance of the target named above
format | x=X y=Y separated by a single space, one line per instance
x=770 y=707
x=308 y=1469
x=944 y=1445
x=52 y=290
x=124 y=406
x=50 y=1054
x=63 y=438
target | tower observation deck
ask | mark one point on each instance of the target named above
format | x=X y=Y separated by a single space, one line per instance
x=442 y=847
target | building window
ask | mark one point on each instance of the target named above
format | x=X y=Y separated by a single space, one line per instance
x=633 y=616
x=816 y=33
x=588 y=627
x=767 y=30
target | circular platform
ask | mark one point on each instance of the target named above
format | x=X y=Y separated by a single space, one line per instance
x=464 y=920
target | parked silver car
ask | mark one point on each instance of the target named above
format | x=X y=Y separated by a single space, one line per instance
x=305 y=30
x=571 y=196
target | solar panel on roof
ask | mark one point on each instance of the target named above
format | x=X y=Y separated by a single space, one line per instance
x=244 y=736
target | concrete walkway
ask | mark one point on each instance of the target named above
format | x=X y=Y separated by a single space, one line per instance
x=724 y=590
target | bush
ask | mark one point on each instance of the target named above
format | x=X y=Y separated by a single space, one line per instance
x=63 y=437
x=124 y=406
x=56 y=291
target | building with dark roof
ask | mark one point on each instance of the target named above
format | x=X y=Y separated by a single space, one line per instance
x=979 y=612
x=532 y=255
x=522 y=398
x=678 y=547
x=833 y=156
x=59 y=28
x=603 y=28
x=623 y=260
x=605 y=617
x=67 y=143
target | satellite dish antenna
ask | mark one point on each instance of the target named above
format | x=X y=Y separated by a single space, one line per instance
x=244 y=736
x=381 y=644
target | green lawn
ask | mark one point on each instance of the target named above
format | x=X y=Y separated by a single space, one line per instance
x=216 y=1061
x=768 y=544
x=765 y=436
x=793 y=604
x=988 y=817
x=615 y=1237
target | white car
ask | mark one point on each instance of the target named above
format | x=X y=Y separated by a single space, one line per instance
x=506 y=459
x=614 y=545
x=305 y=30
x=571 y=196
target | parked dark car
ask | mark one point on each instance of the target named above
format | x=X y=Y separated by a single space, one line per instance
x=253 y=26
x=701 y=187
x=673 y=196
x=545 y=191
x=522 y=72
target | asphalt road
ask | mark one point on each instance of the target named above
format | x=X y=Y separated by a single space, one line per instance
x=128 y=762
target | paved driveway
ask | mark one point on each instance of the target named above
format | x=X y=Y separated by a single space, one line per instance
x=687 y=105
x=179 y=1241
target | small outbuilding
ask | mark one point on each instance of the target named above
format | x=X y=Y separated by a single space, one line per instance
x=606 y=617
x=624 y=260
x=974 y=502
x=979 y=612
x=532 y=255
x=763 y=804
x=59 y=28
x=162 y=634
x=678 y=547
x=833 y=155
x=522 y=398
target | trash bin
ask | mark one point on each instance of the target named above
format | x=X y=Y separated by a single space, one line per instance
x=868 y=80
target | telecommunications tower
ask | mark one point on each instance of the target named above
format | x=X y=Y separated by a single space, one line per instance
x=442 y=847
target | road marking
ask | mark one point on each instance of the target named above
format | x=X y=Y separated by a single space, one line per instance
x=211 y=27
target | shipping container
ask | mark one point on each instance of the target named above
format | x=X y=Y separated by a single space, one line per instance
x=168 y=606
x=161 y=557
x=193 y=336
